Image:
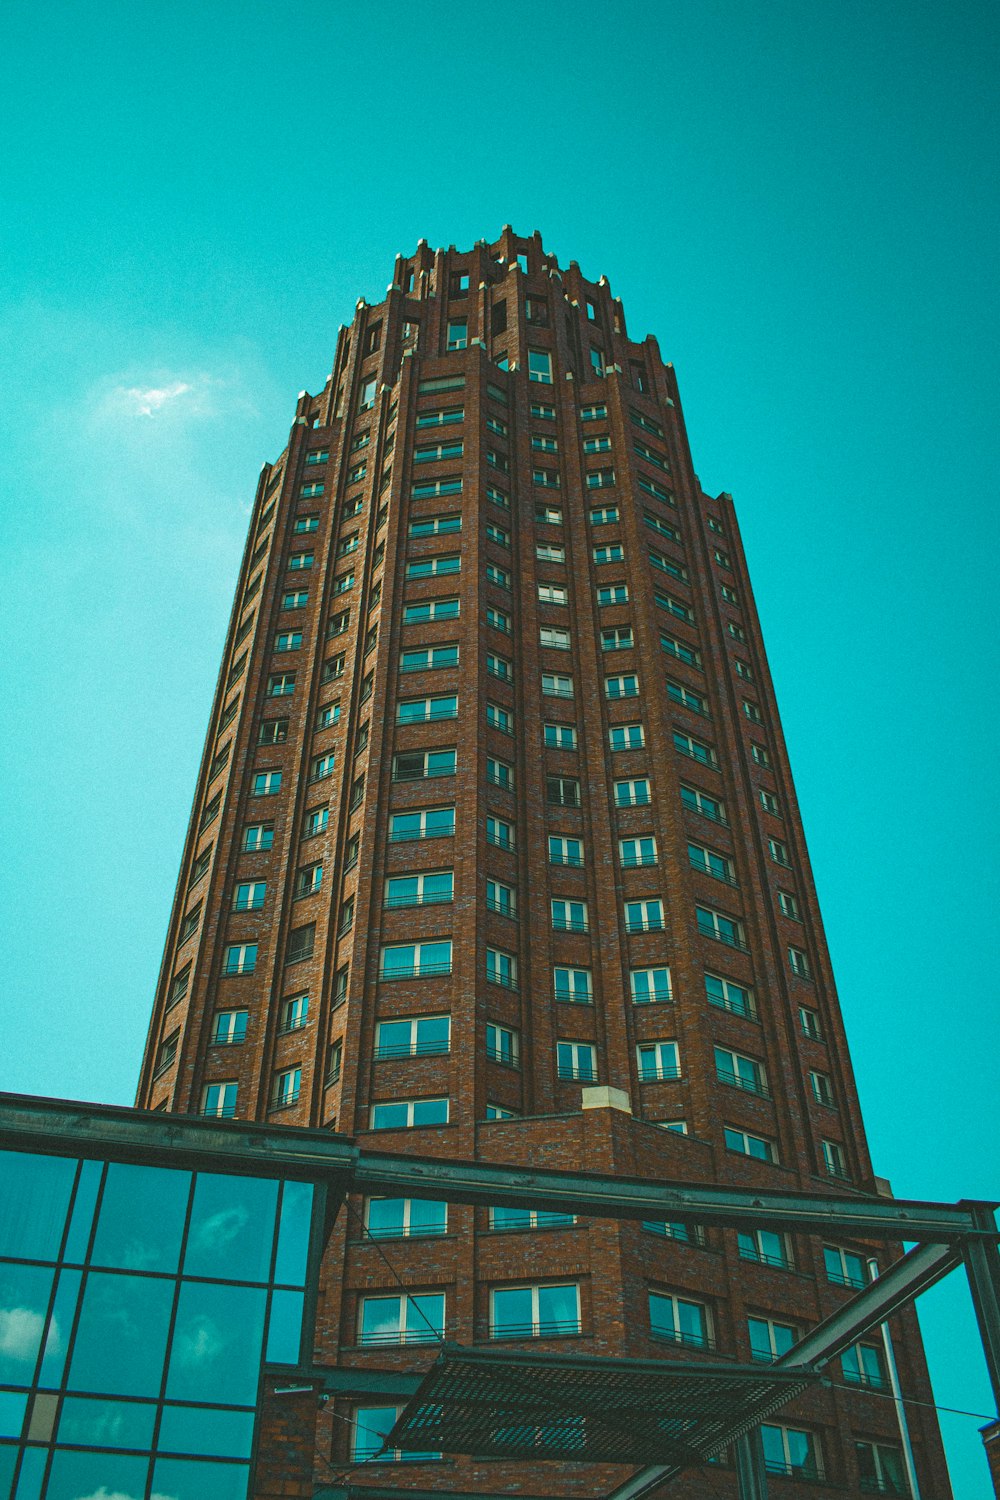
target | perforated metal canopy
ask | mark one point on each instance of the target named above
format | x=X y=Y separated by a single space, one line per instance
x=508 y=1404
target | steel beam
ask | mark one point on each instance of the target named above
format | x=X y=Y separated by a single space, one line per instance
x=982 y=1262
x=751 y=1475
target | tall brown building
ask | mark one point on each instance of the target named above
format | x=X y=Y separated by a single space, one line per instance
x=495 y=852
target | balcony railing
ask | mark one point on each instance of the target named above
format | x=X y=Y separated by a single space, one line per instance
x=571 y=926
x=405 y=837
x=421 y=899
x=430 y=716
x=498 y=1054
x=554 y=1328
x=707 y=869
x=417 y=971
x=686 y=1337
x=413 y=1049
x=809 y=1470
x=656 y=1073
x=580 y=1074
x=402 y=1336
x=505 y=908
x=720 y=935
x=748 y=1085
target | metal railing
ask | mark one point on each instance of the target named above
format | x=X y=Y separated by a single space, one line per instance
x=748 y=1085
x=706 y=869
x=556 y=1328
x=416 y=971
x=413 y=1049
x=419 y=900
x=731 y=940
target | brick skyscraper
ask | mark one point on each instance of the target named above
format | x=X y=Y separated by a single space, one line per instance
x=495 y=851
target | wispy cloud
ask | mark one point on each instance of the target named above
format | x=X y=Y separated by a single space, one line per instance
x=145 y=403
x=164 y=395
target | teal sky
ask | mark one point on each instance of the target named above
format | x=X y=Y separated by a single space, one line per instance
x=798 y=199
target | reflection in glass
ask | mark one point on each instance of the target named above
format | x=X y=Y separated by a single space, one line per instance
x=24 y=1301
x=184 y=1479
x=60 y=1325
x=12 y=1404
x=284 y=1331
x=197 y=1429
x=122 y=1336
x=232 y=1228
x=217 y=1341
x=8 y=1458
x=75 y=1475
x=29 y=1482
x=35 y=1192
x=293 y=1233
x=106 y=1424
x=141 y=1220
x=82 y=1218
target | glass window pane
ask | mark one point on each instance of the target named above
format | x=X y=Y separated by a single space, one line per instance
x=35 y=1191
x=131 y=1315
x=82 y=1217
x=512 y=1310
x=427 y=1216
x=293 y=1233
x=385 y=1216
x=186 y=1479
x=77 y=1474
x=284 y=1330
x=29 y=1482
x=106 y=1424
x=232 y=1227
x=141 y=1219
x=24 y=1302
x=12 y=1405
x=57 y=1338
x=216 y=1349
x=558 y=1309
x=8 y=1458
x=194 y=1429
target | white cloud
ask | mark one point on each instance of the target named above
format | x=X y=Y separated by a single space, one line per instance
x=159 y=396
x=105 y=1494
x=20 y=1332
x=146 y=402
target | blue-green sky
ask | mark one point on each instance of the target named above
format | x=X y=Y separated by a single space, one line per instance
x=795 y=197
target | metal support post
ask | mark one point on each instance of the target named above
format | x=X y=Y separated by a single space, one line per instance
x=751 y=1475
x=982 y=1262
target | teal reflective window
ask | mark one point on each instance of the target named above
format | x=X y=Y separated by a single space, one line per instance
x=195 y=1429
x=29 y=1483
x=186 y=1479
x=217 y=1344
x=8 y=1458
x=122 y=1336
x=35 y=1192
x=293 y=1233
x=82 y=1218
x=232 y=1228
x=74 y=1475
x=60 y=1325
x=141 y=1220
x=24 y=1303
x=284 y=1331
x=12 y=1405
x=85 y=1423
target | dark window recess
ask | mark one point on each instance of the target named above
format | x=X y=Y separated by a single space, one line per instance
x=498 y=317
x=200 y=865
x=211 y=812
x=373 y=338
x=259 y=552
x=244 y=629
x=167 y=1052
x=179 y=986
x=300 y=943
x=236 y=670
x=273 y=732
x=190 y=923
x=220 y=760
x=229 y=715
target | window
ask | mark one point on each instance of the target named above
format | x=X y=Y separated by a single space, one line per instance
x=798 y=962
x=500 y=718
x=452 y=382
x=791 y=1451
x=500 y=1112
x=498 y=619
x=626 y=737
x=550 y=552
x=431 y=888
x=458 y=284
x=415 y=765
x=417 y=1318
x=600 y=479
x=340 y=985
x=294 y=1013
x=432 y=489
x=547 y=478
x=599 y=444
x=433 y=567
x=501 y=968
x=286 y=1087
x=497 y=534
x=322 y=766
x=548 y=515
x=595 y=413
x=880 y=1469
x=573 y=986
x=333 y=667
x=613 y=593
x=416 y=960
x=743 y=670
x=700 y=802
x=500 y=773
x=845 y=1267
x=864 y=1364
x=688 y=1234
x=562 y=791
x=258 y=836
x=633 y=793
x=441 y=418
x=778 y=852
x=565 y=851
x=658 y=460
x=810 y=1023
x=219 y=1100
x=434 y=525
x=646 y=423
x=501 y=898
x=769 y=802
x=555 y=685
x=430 y=609
x=752 y=712
x=835 y=1160
x=240 y=958
x=644 y=916
x=687 y=698
x=495 y=424
x=190 y=923
x=694 y=749
x=650 y=986
x=553 y=638
x=626 y=686
x=288 y=640
x=568 y=916
x=596 y=361
x=735 y=998
x=408 y=1114
x=789 y=906
x=719 y=866
x=559 y=736
x=229 y=1027
x=317 y=456
x=757 y=1146
x=300 y=562
x=496 y=574
x=499 y=832
x=715 y=924
x=305 y=524
x=612 y=553
x=679 y=649
x=502 y=1044
x=167 y=1052
x=372 y=1425
x=458 y=333
x=543 y=443
x=770 y=1340
x=338 y=623
x=679 y=1320
x=499 y=666
x=552 y=593
x=534 y=1311
x=542 y=411
x=497 y=496
x=529 y=1218
x=300 y=943
x=577 y=1060
x=297 y=599
x=657 y=1061
x=281 y=685
x=540 y=366
x=766 y=1247
x=351 y=851
x=423 y=1036
x=637 y=851
x=427 y=823
x=603 y=515
x=309 y=491
x=404 y=1218
x=536 y=310
x=316 y=820
x=429 y=658
x=249 y=896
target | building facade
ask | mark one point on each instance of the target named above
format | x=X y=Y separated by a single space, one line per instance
x=495 y=852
